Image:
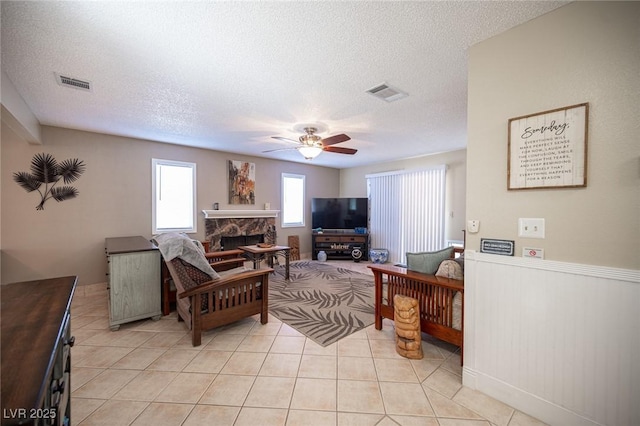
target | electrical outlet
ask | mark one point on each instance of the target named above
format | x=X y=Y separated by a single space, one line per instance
x=473 y=226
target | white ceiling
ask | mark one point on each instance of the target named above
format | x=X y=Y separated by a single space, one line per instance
x=229 y=75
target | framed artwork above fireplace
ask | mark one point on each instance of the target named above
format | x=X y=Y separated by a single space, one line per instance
x=242 y=182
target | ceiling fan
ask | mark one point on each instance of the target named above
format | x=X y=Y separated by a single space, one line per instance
x=311 y=145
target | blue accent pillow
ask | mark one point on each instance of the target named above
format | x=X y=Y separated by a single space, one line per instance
x=428 y=262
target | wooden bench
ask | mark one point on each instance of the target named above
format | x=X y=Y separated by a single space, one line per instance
x=435 y=297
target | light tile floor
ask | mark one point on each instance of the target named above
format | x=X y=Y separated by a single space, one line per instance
x=148 y=373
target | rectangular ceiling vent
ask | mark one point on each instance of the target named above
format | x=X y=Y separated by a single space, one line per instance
x=387 y=93
x=74 y=83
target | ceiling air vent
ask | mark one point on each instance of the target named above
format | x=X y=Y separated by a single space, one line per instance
x=387 y=93
x=74 y=83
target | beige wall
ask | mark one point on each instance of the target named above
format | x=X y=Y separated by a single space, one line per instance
x=574 y=314
x=582 y=52
x=67 y=238
x=354 y=184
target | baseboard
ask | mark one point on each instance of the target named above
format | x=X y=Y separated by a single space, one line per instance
x=91 y=289
x=523 y=401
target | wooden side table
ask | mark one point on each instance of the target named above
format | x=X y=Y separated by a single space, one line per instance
x=258 y=254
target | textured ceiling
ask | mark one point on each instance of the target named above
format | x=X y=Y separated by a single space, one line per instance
x=229 y=75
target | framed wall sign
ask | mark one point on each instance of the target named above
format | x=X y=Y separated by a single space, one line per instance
x=548 y=149
x=492 y=246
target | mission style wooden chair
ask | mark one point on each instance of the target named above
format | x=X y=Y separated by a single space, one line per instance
x=203 y=303
x=219 y=260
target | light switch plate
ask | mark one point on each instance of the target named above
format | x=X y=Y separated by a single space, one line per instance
x=531 y=227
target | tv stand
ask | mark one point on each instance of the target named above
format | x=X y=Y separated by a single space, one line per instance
x=337 y=244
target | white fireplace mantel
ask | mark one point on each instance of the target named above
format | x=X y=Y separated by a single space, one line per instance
x=236 y=214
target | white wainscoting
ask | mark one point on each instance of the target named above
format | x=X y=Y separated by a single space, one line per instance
x=558 y=341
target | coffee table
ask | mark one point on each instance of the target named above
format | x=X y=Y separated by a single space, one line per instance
x=258 y=254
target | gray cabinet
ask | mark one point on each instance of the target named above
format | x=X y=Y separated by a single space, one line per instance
x=134 y=280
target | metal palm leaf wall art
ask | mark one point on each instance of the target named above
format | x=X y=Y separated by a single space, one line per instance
x=45 y=170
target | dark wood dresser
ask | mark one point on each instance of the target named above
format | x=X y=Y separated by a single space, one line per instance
x=36 y=355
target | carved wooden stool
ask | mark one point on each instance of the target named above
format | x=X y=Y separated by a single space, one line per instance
x=407 y=321
x=294 y=243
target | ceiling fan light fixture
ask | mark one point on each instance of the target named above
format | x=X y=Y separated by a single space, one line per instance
x=310 y=139
x=310 y=152
x=311 y=145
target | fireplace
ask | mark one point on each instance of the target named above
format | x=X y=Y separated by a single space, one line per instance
x=232 y=228
x=230 y=243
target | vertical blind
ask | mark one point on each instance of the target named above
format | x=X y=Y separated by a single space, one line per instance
x=407 y=211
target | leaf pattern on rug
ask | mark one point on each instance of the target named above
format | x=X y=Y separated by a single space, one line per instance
x=315 y=297
x=359 y=290
x=324 y=302
x=323 y=328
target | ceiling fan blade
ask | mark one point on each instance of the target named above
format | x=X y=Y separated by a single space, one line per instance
x=340 y=150
x=279 y=149
x=332 y=140
x=286 y=139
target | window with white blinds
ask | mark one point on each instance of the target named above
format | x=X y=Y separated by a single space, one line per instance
x=407 y=211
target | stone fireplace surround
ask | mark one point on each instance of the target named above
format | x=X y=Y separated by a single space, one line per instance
x=236 y=223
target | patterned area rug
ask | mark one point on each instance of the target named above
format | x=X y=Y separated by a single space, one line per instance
x=322 y=301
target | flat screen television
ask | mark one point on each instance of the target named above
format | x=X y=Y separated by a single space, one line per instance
x=339 y=213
